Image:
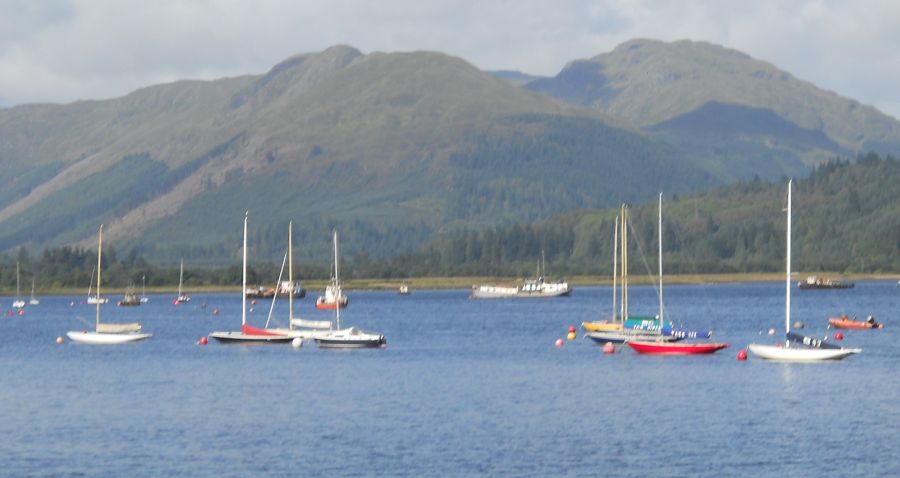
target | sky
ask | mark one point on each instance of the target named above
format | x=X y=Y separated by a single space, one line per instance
x=60 y=51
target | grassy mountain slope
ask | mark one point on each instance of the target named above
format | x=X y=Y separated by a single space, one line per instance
x=387 y=147
x=650 y=82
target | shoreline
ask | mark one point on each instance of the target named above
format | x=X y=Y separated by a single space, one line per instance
x=467 y=282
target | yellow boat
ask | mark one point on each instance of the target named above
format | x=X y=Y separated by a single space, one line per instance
x=601 y=326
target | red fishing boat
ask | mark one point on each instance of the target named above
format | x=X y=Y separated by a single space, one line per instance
x=844 y=322
x=675 y=348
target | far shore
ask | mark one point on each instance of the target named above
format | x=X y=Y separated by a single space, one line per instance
x=468 y=282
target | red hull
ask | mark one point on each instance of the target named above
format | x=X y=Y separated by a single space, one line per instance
x=251 y=330
x=675 y=348
x=842 y=323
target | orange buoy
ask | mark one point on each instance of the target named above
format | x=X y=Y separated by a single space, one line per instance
x=203 y=341
x=609 y=348
x=742 y=355
x=559 y=343
x=838 y=336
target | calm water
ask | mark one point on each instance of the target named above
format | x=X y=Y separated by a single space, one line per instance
x=464 y=388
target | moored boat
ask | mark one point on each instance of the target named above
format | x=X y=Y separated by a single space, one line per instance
x=844 y=322
x=797 y=348
x=248 y=334
x=675 y=348
x=535 y=287
x=104 y=333
x=816 y=282
x=351 y=337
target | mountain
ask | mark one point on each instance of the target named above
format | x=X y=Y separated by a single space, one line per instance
x=515 y=78
x=680 y=92
x=387 y=147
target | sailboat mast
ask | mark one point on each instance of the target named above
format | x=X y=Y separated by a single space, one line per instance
x=291 y=275
x=615 y=266
x=659 y=226
x=624 y=262
x=17 y=281
x=337 y=285
x=180 y=278
x=787 y=277
x=99 y=256
x=244 y=279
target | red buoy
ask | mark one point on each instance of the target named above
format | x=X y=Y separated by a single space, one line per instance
x=838 y=336
x=215 y=311
x=203 y=341
x=21 y=311
x=253 y=302
x=609 y=348
x=559 y=343
x=571 y=329
x=742 y=355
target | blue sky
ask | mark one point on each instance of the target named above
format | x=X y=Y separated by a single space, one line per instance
x=64 y=50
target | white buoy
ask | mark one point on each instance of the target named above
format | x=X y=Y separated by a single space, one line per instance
x=771 y=331
x=60 y=340
x=297 y=343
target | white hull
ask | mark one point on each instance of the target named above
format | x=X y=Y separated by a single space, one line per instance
x=798 y=354
x=493 y=292
x=351 y=338
x=95 y=300
x=301 y=333
x=100 y=338
x=34 y=302
x=18 y=304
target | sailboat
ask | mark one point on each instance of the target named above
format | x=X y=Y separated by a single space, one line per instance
x=107 y=334
x=812 y=350
x=297 y=327
x=248 y=333
x=334 y=297
x=130 y=299
x=625 y=327
x=33 y=300
x=95 y=299
x=18 y=303
x=659 y=347
x=182 y=296
x=350 y=337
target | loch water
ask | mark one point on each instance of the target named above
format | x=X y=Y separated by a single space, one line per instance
x=464 y=388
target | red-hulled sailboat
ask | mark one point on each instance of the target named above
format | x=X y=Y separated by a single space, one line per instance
x=660 y=347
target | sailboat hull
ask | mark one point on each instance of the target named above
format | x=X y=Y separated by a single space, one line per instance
x=101 y=338
x=663 y=348
x=351 y=338
x=797 y=354
x=242 y=338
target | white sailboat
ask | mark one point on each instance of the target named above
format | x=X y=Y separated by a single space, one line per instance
x=813 y=350
x=18 y=303
x=33 y=300
x=182 y=296
x=352 y=337
x=95 y=299
x=297 y=327
x=248 y=334
x=107 y=334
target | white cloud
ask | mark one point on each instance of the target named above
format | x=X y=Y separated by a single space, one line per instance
x=65 y=50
